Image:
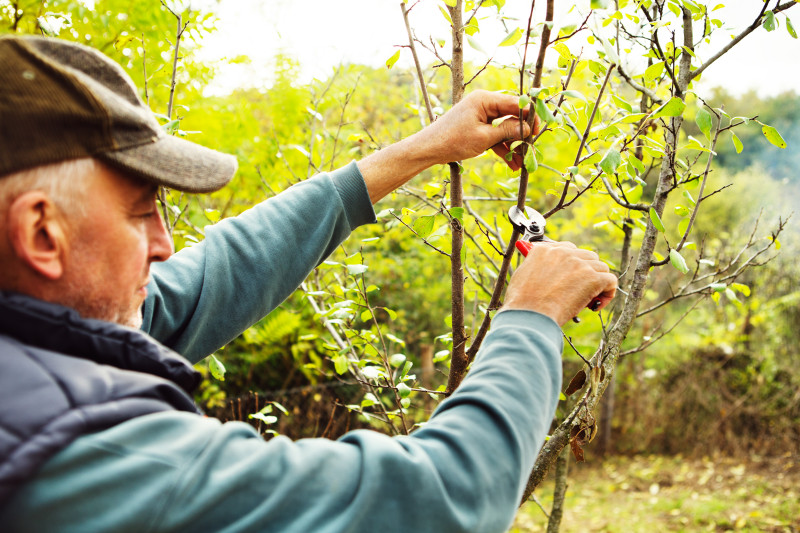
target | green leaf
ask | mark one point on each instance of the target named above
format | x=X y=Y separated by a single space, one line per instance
x=406 y=368
x=610 y=161
x=674 y=8
x=673 y=108
x=403 y=390
x=397 y=359
x=718 y=287
x=632 y=118
x=637 y=164
x=496 y=122
x=524 y=100
x=683 y=225
x=372 y=372
x=681 y=211
x=737 y=143
x=773 y=136
x=355 y=270
x=457 y=213
x=575 y=94
x=688 y=196
x=267 y=419
x=450 y=3
x=622 y=103
x=216 y=368
x=423 y=226
x=392 y=60
x=340 y=364
x=366 y=315
x=544 y=112
x=473 y=42
x=704 y=122
x=531 y=164
x=790 y=28
x=653 y=71
x=742 y=288
x=656 y=220
x=678 y=261
x=769 y=21
x=512 y=38
x=446 y=15
x=280 y=407
x=369 y=400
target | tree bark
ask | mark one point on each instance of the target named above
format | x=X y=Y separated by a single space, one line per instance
x=458 y=361
x=559 y=492
x=608 y=354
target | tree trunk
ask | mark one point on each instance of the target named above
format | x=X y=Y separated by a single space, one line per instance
x=458 y=362
x=606 y=416
x=559 y=492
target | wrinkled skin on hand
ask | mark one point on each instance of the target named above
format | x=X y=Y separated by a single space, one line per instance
x=558 y=279
x=466 y=130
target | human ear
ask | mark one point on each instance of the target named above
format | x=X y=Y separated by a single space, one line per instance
x=36 y=232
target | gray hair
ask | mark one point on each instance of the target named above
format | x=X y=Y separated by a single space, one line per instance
x=64 y=182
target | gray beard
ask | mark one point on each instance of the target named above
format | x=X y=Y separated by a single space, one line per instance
x=76 y=297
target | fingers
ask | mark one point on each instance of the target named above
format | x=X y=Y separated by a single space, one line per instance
x=559 y=280
x=503 y=149
x=497 y=104
x=609 y=290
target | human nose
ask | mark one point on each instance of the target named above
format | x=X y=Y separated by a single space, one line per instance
x=160 y=240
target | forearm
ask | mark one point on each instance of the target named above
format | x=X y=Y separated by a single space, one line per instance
x=207 y=294
x=463 y=132
x=393 y=166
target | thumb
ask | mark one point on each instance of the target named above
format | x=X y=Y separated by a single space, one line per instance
x=510 y=130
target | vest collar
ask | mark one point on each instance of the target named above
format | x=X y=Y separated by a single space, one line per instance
x=61 y=329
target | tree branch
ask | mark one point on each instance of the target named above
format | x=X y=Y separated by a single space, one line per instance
x=736 y=40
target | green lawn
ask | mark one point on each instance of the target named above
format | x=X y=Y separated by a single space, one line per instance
x=654 y=494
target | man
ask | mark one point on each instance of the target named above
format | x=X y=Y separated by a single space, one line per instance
x=97 y=428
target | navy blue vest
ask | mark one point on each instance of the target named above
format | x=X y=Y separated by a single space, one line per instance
x=62 y=376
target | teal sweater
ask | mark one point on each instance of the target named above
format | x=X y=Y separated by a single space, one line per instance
x=463 y=471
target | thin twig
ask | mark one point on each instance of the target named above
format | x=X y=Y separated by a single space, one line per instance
x=736 y=40
x=423 y=87
x=560 y=203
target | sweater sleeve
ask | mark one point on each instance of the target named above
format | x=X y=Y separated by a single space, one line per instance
x=464 y=470
x=207 y=294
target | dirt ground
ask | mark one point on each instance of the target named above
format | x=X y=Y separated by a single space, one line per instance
x=654 y=494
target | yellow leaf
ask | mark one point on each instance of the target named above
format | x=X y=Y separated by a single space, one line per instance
x=511 y=38
x=392 y=60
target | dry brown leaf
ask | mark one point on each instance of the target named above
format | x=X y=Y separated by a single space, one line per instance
x=576 y=383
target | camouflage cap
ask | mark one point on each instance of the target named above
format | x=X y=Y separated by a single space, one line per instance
x=60 y=100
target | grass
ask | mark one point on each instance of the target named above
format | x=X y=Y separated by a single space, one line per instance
x=654 y=494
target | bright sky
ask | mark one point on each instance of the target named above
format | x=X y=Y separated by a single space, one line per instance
x=324 y=33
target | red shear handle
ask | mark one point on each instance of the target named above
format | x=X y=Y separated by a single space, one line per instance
x=524 y=247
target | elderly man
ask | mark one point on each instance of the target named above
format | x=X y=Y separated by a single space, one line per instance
x=98 y=431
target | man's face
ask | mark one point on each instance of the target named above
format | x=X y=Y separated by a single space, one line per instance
x=110 y=248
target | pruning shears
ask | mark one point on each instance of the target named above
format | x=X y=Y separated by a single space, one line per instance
x=531 y=224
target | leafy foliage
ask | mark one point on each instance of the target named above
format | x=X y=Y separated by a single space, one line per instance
x=620 y=166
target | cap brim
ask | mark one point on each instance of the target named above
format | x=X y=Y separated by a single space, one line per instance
x=175 y=163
